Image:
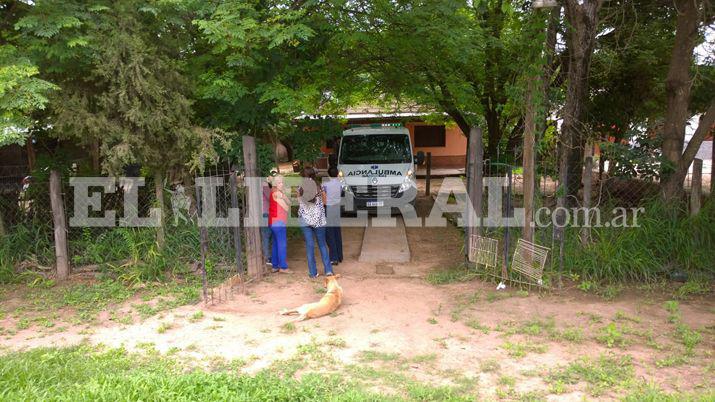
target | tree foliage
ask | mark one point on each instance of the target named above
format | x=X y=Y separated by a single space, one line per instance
x=21 y=93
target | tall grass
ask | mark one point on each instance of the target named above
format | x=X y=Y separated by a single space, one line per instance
x=24 y=243
x=666 y=241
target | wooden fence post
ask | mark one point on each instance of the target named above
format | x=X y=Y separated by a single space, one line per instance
x=696 y=186
x=528 y=163
x=428 y=176
x=237 y=229
x=2 y=226
x=587 y=187
x=253 y=209
x=203 y=243
x=60 y=225
x=475 y=182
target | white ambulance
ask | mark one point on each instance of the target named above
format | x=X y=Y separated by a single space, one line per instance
x=377 y=168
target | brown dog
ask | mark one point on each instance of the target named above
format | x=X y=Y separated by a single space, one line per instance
x=327 y=304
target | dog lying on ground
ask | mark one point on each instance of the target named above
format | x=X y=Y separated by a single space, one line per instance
x=327 y=304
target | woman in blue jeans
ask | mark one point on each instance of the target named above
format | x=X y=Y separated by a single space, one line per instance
x=277 y=220
x=312 y=222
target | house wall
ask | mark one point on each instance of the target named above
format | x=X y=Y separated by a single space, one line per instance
x=452 y=155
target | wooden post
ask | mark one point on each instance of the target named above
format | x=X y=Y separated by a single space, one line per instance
x=204 y=244
x=60 y=225
x=237 y=229
x=428 y=176
x=587 y=186
x=558 y=231
x=2 y=226
x=253 y=209
x=31 y=155
x=696 y=186
x=475 y=184
x=159 y=194
x=712 y=168
x=528 y=162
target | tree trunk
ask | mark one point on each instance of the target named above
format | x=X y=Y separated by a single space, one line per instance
x=673 y=186
x=159 y=194
x=677 y=86
x=31 y=155
x=580 y=39
x=94 y=152
x=494 y=134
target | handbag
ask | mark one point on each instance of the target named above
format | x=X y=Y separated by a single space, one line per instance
x=313 y=213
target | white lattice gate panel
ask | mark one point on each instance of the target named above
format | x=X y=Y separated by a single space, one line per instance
x=483 y=250
x=529 y=260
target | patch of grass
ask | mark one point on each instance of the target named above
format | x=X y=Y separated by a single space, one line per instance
x=165 y=326
x=507 y=381
x=489 y=366
x=672 y=307
x=197 y=316
x=432 y=320
x=610 y=292
x=601 y=374
x=571 y=334
x=691 y=288
x=336 y=343
x=690 y=338
x=476 y=325
x=621 y=316
x=218 y=318
x=288 y=328
x=425 y=358
x=611 y=335
x=537 y=327
x=650 y=392
x=455 y=274
x=592 y=318
x=368 y=356
x=86 y=373
x=121 y=318
x=671 y=361
x=22 y=323
x=423 y=392
x=521 y=349
x=496 y=296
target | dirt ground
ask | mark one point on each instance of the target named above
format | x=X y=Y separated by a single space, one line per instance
x=507 y=344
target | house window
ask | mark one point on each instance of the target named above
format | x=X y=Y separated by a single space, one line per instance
x=430 y=136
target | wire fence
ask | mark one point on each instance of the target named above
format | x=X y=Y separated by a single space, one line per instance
x=613 y=200
x=129 y=252
x=26 y=223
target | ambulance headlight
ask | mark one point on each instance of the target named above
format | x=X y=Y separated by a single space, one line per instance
x=408 y=183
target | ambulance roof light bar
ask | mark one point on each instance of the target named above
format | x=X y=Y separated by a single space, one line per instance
x=375 y=125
